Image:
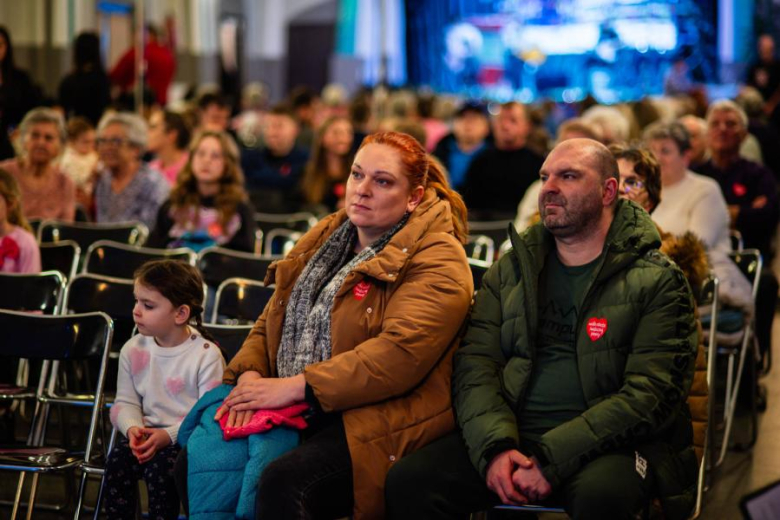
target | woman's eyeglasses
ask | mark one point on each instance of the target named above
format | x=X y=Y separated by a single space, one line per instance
x=630 y=184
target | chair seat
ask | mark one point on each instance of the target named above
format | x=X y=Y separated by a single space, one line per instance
x=43 y=458
x=15 y=392
x=729 y=321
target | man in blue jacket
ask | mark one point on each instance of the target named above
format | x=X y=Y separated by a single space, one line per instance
x=571 y=380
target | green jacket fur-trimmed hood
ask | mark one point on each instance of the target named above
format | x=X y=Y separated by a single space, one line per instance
x=635 y=375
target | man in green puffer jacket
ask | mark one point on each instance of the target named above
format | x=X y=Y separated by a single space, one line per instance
x=571 y=380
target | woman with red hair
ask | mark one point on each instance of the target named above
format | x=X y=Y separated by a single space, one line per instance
x=361 y=327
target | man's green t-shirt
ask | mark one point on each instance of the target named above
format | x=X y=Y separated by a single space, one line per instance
x=554 y=394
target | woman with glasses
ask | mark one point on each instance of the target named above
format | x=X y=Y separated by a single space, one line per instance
x=127 y=189
x=642 y=180
x=46 y=191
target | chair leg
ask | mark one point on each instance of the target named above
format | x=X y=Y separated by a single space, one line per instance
x=18 y=496
x=753 y=373
x=103 y=477
x=729 y=383
x=33 y=490
x=80 y=497
x=732 y=399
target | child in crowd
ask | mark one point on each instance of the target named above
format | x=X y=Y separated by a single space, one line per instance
x=208 y=206
x=163 y=371
x=80 y=159
x=19 y=251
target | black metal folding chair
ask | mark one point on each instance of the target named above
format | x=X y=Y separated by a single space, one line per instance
x=62 y=256
x=217 y=264
x=495 y=229
x=85 y=234
x=750 y=262
x=481 y=247
x=114 y=296
x=109 y=258
x=39 y=292
x=35 y=223
x=279 y=242
x=240 y=301
x=737 y=244
x=229 y=337
x=50 y=339
x=707 y=298
x=301 y=222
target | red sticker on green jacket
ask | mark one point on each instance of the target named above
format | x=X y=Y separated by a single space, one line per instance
x=596 y=328
x=361 y=289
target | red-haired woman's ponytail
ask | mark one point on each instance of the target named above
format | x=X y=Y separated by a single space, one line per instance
x=437 y=179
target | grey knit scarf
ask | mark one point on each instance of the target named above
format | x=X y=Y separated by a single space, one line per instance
x=306 y=334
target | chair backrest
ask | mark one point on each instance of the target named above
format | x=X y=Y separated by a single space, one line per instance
x=60 y=256
x=750 y=262
x=35 y=223
x=39 y=292
x=737 y=244
x=240 y=299
x=218 y=264
x=85 y=234
x=113 y=296
x=478 y=270
x=481 y=247
x=495 y=229
x=119 y=260
x=279 y=242
x=35 y=336
x=229 y=337
x=300 y=221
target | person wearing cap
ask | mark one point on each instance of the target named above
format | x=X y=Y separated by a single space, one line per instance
x=469 y=136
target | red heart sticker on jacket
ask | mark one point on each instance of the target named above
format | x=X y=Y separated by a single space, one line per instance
x=596 y=328
x=361 y=289
x=739 y=189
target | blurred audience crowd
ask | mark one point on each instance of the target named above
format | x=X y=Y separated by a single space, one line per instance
x=196 y=169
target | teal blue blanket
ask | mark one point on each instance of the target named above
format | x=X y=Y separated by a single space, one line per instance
x=222 y=476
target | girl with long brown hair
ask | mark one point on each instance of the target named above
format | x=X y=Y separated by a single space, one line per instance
x=19 y=251
x=208 y=205
x=325 y=177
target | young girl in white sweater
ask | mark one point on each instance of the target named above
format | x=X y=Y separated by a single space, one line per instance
x=163 y=371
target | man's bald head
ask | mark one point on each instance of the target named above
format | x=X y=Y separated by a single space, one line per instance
x=596 y=154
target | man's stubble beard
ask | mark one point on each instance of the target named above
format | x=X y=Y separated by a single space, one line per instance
x=577 y=217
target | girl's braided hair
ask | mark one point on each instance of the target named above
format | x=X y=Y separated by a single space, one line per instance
x=181 y=284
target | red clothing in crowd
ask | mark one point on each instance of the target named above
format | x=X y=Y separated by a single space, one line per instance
x=160 y=66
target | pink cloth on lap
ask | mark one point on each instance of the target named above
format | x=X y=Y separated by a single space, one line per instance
x=264 y=420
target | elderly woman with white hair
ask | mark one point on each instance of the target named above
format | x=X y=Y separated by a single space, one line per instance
x=127 y=189
x=46 y=191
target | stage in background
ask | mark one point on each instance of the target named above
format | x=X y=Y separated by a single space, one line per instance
x=616 y=50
